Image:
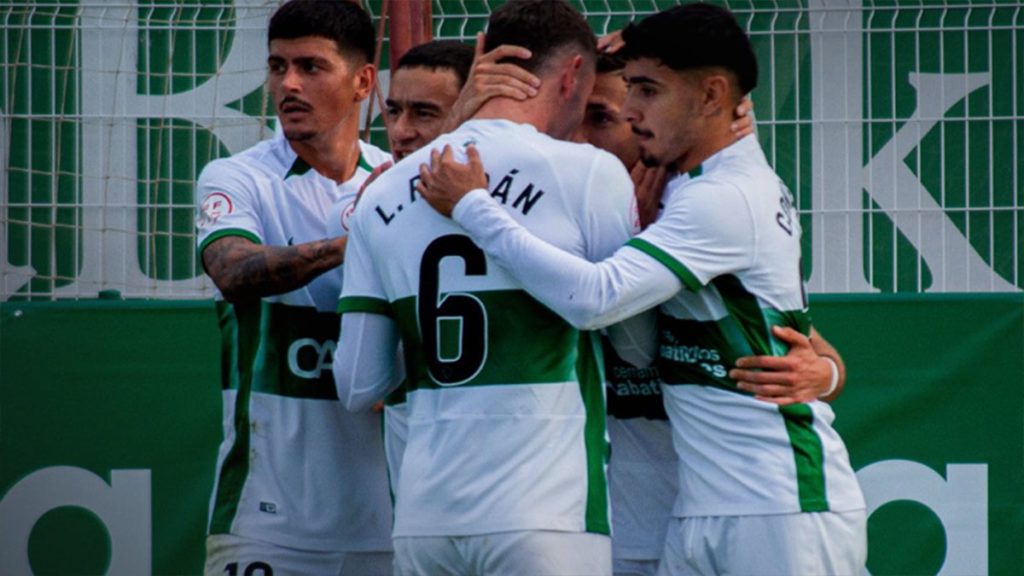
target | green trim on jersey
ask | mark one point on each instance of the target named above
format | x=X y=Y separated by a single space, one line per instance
x=808 y=455
x=398 y=395
x=296 y=351
x=275 y=349
x=752 y=323
x=363 y=163
x=685 y=276
x=365 y=304
x=697 y=171
x=590 y=370
x=387 y=469
x=299 y=167
x=228 y=324
x=526 y=343
x=240 y=341
x=703 y=351
x=293 y=351
x=228 y=232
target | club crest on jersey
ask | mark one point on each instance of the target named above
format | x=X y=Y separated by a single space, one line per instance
x=346 y=214
x=215 y=205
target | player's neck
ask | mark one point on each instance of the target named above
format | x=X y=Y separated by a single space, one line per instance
x=712 y=143
x=535 y=111
x=334 y=154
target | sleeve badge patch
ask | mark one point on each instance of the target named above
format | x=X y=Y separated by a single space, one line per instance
x=215 y=205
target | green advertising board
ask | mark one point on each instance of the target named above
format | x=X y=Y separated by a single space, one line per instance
x=111 y=420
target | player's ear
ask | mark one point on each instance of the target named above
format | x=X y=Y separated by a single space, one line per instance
x=364 y=79
x=571 y=76
x=716 y=90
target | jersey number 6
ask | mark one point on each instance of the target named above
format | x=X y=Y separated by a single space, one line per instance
x=452 y=360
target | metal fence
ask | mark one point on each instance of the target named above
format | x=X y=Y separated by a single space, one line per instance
x=899 y=126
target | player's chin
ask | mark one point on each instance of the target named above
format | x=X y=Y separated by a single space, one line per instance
x=298 y=134
x=650 y=160
x=649 y=157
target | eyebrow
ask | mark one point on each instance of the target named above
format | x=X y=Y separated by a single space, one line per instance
x=640 y=80
x=301 y=60
x=416 y=104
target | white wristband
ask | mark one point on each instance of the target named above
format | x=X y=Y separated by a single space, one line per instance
x=835 y=378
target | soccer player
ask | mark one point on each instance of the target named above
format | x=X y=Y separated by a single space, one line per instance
x=642 y=469
x=435 y=87
x=763 y=487
x=504 y=471
x=301 y=484
x=424 y=87
x=439 y=84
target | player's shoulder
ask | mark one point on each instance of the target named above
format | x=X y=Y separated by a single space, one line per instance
x=581 y=166
x=701 y=194
x=579 y=153
x=266 y=158
x=741 y=166
x=704 y=194
x=396 y=179
x=373 y=155
x=742 y=163
x=513 y=139
x=391 y=187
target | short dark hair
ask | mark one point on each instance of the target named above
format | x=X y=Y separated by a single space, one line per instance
x=344 y=22
x=610 y=62
x=440 y=55
x=542 y=27
x=694 y=36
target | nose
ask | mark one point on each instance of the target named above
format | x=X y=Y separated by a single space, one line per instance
x=291 y=81
x=631 y=112
x=402 y=129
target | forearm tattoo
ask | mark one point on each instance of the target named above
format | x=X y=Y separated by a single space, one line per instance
x=244 y=270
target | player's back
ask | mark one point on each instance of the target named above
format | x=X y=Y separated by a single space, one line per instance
x=502 y=435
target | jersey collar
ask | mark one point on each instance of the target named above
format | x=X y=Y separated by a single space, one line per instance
x=299 y=166
x=746 y=146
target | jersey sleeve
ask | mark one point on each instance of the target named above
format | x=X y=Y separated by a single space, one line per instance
x=612 y=218
x=364 y=362
x=228 y=204
x=366 y=366
x=707 y=230
x=362 y=289
x=588 y=295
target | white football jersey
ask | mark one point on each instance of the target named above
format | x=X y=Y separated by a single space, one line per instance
x=642 y=468
x=295 y=468
x=731 y=233
x=503 y=434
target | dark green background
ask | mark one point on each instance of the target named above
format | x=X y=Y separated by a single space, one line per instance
x=108 y=385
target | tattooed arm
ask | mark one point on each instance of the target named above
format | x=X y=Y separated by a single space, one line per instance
x=245 y=270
